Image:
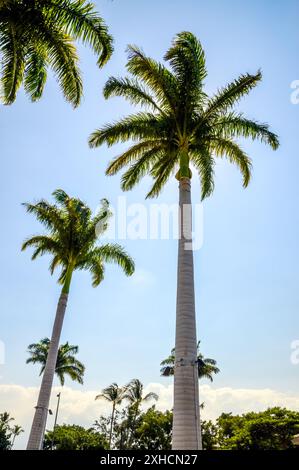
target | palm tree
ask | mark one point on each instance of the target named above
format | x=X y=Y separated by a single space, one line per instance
x=16 y=431
x=115 y=395
x=71 y=240
x=134 y=395
x=206 y=367
x=181 y=128
x=36 y=35
x=66 y=363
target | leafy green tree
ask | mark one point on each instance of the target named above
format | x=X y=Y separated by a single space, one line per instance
x=36 y=35
x=71 y=240
x=209 y=435
x=115 y=395
x=181 y=127
x=272 y=429
x=206 y=367
x=153 y=430
x=66 y=363
x=73 y=437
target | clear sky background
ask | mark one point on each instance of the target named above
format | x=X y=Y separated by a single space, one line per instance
x=247 y=271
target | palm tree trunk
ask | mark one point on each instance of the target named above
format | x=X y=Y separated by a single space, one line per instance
x=37 y=432
x=186 y=420
x=111 y=426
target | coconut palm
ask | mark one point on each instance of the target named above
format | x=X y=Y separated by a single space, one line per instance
x=71 y=240
x=206 y=366
x=134 y=395
x=16 y=430
x=115 y=395
x=181 y=127
x=36 y=35
x=66 y=363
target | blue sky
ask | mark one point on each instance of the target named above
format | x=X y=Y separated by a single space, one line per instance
x=247 y=271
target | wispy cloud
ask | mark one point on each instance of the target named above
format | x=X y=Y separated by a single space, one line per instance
x=142 y=277
x=80 y=407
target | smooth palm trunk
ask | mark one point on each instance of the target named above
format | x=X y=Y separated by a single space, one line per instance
x=111 y=425
x=37 y=432
x=186 y=420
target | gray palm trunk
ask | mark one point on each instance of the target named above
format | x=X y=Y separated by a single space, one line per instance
x=111 y=425
x=186 y=419
x=38 y=427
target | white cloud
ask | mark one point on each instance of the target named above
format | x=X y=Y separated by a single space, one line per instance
x=141 y=277
x=80 y=407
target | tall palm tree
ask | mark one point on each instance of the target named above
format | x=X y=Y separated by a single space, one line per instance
x=36 y=35
x=134 y=395
x=71 y=240
x=206 y=366
x=115 y=395
x=66 y=363
x=181 y=128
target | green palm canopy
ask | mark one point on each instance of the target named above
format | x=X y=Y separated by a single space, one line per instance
x=66 y=364
x=72 y=238
x=207 y=367
x=36 y=35
x=180 y=126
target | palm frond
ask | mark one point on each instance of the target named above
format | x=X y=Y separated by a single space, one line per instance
x=154 y=75
x=228 y=148
x=232 y=93
x=236 y=125
x=136 y=126
x=35 y=72
x=81 y=21
x=13 y=62
x=187 y=59
x=133 y=175
x=114 y=253
x=131 y=90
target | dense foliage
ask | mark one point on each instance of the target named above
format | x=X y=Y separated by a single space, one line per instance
x=74 y=437
x=8 y=431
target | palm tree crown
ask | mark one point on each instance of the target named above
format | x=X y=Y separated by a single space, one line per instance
x=66 y=363
x=114 y=394
x=134 y=393
x=181 y=126
x=207 y=367
x=72 y=238
x=39 y=34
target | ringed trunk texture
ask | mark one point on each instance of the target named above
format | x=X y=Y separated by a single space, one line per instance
x=186 y=419
x=38 y=427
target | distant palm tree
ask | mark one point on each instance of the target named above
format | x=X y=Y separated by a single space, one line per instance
x=181 y=128
x=134 y=395
x=71 y=240
x=39 y=34
x=5 y=419
x=16 y=430
x=115 y=395
x=206 y=367
x=66 y=363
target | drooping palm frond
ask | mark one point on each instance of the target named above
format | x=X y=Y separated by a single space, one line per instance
x=40 y=34
x=131 y=90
